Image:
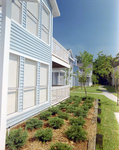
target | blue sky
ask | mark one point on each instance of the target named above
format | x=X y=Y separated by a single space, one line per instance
x=90 y=25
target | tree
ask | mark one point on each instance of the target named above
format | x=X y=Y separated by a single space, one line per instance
x=79 y=58
x=103 y=66
x=68 y=75
x=95 y=79
x=86 y=61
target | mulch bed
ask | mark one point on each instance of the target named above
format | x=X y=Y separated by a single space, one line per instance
x=59 y=136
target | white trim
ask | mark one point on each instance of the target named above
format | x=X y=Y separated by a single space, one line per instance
x=55 y=8
x=4 y=61
x=28 y=57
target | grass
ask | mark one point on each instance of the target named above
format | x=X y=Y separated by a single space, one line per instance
x=94 y=89
x=111 y=89
x=109 y=126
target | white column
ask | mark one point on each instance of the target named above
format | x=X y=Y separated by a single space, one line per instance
x=4 y=61
x=58 y=78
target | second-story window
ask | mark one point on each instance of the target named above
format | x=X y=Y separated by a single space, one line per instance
x=16 y=11
x=45 y=25
x=32 y=17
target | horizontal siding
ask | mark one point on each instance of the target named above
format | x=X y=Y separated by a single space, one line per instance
x=18 y=118
x=23 y=42
x=0 y=24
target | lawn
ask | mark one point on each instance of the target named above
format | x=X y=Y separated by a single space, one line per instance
x=111 y=89
x=109 y=126
x=94 y=89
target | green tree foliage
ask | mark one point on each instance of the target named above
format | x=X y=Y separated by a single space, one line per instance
x=16 y=139
x=79 y=58
x=87 y=59
x=68 y=75
x=103 y=66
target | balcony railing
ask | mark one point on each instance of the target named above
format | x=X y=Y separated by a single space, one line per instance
x=59 y=93
x=59 y=51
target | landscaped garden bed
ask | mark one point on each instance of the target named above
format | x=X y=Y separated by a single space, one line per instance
x=67 y=125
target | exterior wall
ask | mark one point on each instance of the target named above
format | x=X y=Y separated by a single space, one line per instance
x=26 y=45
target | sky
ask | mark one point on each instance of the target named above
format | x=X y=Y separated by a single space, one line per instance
x=91 y=25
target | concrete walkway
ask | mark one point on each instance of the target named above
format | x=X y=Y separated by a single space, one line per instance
x=108 y=94
x=112 y=97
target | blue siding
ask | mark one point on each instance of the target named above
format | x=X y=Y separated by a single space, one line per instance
x=38 y=83
x=21 y=83
x=23 y=42
x=24 y=11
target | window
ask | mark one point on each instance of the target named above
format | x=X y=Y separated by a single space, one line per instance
x=29 y=83
x=32 y=17
x=43 y=83
x=12 y=100
x=16 y=11
x=45 y=25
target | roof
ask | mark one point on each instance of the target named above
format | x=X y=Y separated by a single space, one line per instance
x=53 y=4
x=71 y=54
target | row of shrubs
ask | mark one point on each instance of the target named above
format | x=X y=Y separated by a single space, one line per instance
x=17 y=138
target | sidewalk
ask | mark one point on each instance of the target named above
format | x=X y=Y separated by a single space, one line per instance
x=112 y=97
x=108 y=94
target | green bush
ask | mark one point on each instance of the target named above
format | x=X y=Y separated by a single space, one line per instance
x=34 y=123
x=45 y=115
x=88 y=98
x=54 y=110
x=63 y=115
x=75 y=104
x=76 y=133
x=90 y=105
x=56 y=122
x=44 y=135
x=85 y=107
x=70 y=109
x=77 y=121
x=69 y=100
x=63 y=106
x=78 y=112
x=16 y=139
x=77 y=99
x=60 y=146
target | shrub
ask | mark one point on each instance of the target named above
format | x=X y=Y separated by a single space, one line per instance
x=77 y=121
x=78 y=112
x=88 y=98
x=63 y=115
x=76 y=133
x=16 y=139
x=70 y=109
x=75 y=104
x=85 y=107
x=69 y=100
x=54 y=110
x=34 y=123
x=90 y=105
x=44 y=135
x=56 y=122
x=60 y=146
x=63 y=106
x=77 y=99
x=45 y=115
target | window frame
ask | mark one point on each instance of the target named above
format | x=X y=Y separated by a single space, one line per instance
x=36 y=20
x=31 y=87
x=10 y=89
x=20 y=12
x=49 y=30
x=45 y=86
